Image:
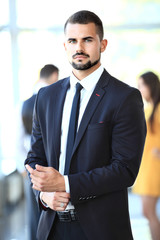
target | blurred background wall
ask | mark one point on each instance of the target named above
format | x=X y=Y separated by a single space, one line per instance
x=31 y=35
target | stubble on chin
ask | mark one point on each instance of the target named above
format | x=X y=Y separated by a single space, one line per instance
x=80 y=66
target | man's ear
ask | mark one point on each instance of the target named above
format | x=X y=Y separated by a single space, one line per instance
x=104 y=43
x=64 y=44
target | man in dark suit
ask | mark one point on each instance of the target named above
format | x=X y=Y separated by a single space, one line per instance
x=87 y=142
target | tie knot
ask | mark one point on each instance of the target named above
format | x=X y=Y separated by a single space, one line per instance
x=78 y=87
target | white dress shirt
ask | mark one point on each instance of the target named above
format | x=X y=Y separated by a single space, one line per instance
x=88 y=84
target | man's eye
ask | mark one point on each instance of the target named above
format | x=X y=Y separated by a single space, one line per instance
x=72 y=41
x=88 y=40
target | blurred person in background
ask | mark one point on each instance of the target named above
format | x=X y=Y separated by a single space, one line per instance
x=48 y=76
x=80 y=167
x=148 y=181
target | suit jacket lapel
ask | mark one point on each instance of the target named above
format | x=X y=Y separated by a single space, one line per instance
x=59 y=102
x=91 y=107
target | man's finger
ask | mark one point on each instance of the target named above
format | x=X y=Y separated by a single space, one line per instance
x=63 y=200
x=41 y=168
x=32 y=171
x=36 y=187
x=64 y=195
x=29 y=169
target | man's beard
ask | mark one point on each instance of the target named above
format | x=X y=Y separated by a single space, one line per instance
x=85 y=66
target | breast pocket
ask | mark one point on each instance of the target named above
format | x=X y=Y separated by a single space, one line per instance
x=98 y=143
x=97 y=133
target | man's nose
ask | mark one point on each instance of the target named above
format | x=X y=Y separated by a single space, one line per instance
x=79 y=47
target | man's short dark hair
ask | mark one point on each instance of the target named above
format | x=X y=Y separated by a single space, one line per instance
x=47 y=71
x=85 y=17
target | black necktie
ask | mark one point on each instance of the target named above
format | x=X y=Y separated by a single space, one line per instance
x=72 y=130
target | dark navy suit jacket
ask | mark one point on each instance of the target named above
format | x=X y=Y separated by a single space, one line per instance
x=27 y=113
x=105 y=158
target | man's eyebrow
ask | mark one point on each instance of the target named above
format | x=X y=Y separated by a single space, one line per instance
x=89 y=37
x=71 y=39
x=85 y=38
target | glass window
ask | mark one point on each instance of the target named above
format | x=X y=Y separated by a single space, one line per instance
x=131 y=52
x=4 y=13
x=139 y=12
x=36 y=49
x=48 y=14
x=7 y=163
x=40 y=14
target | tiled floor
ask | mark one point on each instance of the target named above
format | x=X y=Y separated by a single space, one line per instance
x=13 y=226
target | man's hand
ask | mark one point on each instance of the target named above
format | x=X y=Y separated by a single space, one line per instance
x=46 y=179
x=57 y=201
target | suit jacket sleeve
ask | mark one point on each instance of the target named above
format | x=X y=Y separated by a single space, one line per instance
x=36 y=155
x=128 y=136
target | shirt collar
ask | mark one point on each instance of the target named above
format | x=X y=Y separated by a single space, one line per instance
x=88 y=82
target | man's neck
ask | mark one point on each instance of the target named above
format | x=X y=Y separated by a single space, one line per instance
x=80 y=74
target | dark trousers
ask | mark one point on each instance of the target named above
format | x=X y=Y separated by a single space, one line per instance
x=66 y=231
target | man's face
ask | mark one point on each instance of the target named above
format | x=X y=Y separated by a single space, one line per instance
x=83 y=45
